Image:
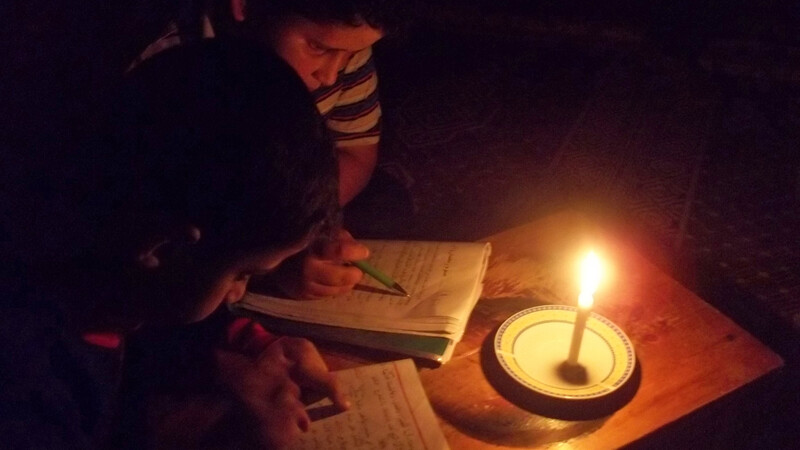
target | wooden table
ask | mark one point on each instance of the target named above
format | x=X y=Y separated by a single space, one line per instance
x=689 y=355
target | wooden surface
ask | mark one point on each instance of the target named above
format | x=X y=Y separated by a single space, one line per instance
x=688 y=353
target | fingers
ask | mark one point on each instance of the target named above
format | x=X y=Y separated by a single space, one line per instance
x=309 y=370
x=344 y=235
x=287 y=398
x=342 y=248
x=330 y=273
x=327 y=277
x=324 y=270
x=281 y=418
x=269 y=394
x=270 y=388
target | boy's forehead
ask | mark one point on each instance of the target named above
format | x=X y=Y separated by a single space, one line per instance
x=260 y=261
x=335 y=35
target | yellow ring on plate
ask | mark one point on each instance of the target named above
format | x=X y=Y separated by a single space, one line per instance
x=531 y=344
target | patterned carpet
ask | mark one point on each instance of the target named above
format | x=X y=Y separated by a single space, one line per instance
x=744 y=223
x=696 y=167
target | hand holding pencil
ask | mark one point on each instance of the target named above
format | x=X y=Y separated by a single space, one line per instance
x=331 y=267
x=381 y=277
x=326 y=269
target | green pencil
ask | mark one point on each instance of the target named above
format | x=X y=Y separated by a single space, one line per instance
x=384 y=279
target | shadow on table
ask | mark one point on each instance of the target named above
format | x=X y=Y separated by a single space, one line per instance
x=595 y=410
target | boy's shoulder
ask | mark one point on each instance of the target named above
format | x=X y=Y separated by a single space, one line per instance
x=358 y=60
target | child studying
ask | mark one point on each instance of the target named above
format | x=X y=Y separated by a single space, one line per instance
x=214 y=167
x=329 y=44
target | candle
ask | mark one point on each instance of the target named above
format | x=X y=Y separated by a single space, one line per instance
x=590 y=278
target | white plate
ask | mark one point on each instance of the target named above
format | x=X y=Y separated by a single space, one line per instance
x=533 y=343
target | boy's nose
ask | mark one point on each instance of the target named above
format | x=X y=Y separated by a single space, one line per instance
x=236 y=293
x=326 y=75
x=329 y=72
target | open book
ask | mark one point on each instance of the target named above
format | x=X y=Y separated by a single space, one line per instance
x=444 y=280
x=389 y=410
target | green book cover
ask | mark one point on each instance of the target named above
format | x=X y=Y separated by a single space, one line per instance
x=438 y=349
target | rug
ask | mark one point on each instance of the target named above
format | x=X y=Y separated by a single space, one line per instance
x=697 y=169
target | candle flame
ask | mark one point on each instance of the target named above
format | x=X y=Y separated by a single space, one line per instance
x=585 y=300
x=590 y=274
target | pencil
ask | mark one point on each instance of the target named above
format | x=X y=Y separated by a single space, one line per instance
x=384 y=279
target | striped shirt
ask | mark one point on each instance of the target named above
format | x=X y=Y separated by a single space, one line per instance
x=350 y=107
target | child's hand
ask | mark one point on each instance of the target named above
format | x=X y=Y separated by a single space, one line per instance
x=324 y=270
x=269 y=388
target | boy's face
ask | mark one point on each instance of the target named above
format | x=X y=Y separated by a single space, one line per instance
x=189 y=292
x=231 y=284
x=317 y=52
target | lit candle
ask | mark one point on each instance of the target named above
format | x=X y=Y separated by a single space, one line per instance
x=590 y=278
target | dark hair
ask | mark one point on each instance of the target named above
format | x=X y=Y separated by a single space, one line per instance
x=385 y=15
x=222 y=134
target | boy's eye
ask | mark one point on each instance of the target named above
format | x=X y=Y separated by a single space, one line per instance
x=316 y=48
x=243 y=276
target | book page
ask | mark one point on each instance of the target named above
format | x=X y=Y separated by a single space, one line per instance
x=389 y=411
x=444 y=280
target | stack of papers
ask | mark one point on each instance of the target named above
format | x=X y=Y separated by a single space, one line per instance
x=444 y=281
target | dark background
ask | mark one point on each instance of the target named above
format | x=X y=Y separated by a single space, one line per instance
x=674 y=122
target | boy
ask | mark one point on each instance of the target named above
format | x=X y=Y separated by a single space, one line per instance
x=329 y=44
x=215 y=167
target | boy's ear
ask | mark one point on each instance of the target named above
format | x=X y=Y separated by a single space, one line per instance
x=238 y=10
x=152 y=252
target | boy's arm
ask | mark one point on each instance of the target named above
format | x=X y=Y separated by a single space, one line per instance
x=356 y=164
x=259 y=403
x=355 y=123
